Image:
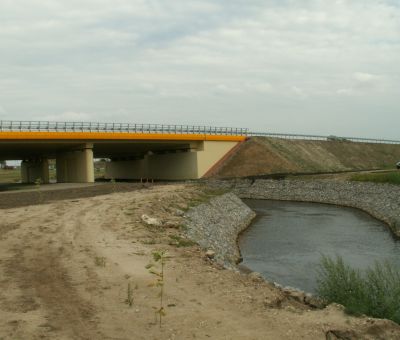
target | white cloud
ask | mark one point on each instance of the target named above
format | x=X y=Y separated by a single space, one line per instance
x=364 y=77
x=364 y=84
x=69 y=117
x=3 y=111
x=346 y=92
x=225 y=62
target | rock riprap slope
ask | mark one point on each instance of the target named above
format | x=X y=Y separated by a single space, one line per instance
x=215 y=226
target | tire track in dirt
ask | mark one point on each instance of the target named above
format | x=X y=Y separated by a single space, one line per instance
x=43 y=280
x=46 y=279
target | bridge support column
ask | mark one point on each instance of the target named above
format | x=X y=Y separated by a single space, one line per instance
x=76 y=166
x=33 y=170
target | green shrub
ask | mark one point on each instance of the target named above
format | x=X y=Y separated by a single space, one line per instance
x=374 y=292
x=383 y=288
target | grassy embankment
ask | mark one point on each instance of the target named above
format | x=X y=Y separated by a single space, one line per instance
x=374 y=292
x=263 y=155
x=385 y=177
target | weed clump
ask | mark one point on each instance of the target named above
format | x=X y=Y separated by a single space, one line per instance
x=100 y=261
x=113 y=185
x=38 y=185
x=374 y=292
x=157 y=269
x=129 y=295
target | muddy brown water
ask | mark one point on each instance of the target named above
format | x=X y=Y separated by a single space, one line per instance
x=287 y=239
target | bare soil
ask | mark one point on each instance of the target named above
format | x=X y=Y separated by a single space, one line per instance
x=43 y=195
x=65 y=268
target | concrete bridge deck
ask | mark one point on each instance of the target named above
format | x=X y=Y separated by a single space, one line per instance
x=135 y=150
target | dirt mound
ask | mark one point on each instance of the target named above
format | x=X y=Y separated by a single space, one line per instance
x=263 y=155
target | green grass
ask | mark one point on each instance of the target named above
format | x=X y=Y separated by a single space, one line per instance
x=10 y=176
x=384 y=177
x=374 y=292
x=14 y=176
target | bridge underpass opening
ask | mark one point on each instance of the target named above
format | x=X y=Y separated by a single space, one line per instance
x=133 y=156
x=169 y=162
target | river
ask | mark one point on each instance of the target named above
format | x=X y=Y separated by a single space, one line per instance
x=287 y=239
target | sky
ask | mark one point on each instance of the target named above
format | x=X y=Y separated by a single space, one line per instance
x=293 y=66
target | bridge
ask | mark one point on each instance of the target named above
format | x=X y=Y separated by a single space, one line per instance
x=160 y=152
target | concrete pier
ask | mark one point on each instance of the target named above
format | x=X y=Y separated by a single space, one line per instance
x=76 y=166
x=33 y=170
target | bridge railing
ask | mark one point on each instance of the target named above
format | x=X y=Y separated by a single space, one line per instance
x=324 y=138
x=43 y=126
x=47 y=126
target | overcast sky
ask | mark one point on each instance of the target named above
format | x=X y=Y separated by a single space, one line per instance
x=298 y=66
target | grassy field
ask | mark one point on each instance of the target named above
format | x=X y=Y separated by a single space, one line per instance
x=14 y=175
x=385 y=177
x=10 y=176
x=11 y=179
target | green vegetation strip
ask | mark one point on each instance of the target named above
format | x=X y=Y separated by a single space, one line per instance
x=374 y=292
x=385 y=177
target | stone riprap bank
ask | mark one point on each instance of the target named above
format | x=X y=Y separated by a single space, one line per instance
x=382 y=201
x=216 y=224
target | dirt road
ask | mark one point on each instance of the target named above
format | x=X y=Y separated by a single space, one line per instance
x=65 y=268
x=56 y=192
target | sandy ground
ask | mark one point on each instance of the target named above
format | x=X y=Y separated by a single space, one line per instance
x=65 y=268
